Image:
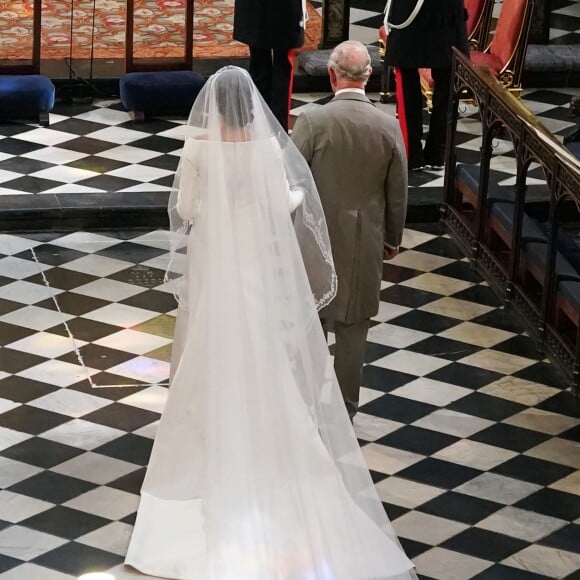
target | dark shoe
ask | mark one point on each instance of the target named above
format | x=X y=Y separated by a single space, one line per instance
x=436 y=166
x=416 y=168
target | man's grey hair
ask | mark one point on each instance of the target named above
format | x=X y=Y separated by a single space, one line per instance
x=351 y=60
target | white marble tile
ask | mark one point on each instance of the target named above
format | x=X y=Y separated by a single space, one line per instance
x=83 y=434
x=71 y=403
x=31 y=571
x=87 y=242
x=141 y=173
x=442 y=564
x=27 y=293
x=367 y=395
x=10 y=437
x=551 y=562
x=500 y=362
x=118 y=135
x=15 y=244
x=105 y=502
x=406 y=493
x=144 y=369
x=413 y=238
x=474 y=454
x=113 y=538
x=55 y=155
x=436 y=283
x=387 y=459
x=46 y=344
x=128 y=154
x=65 y=173
x=392 y=335
x=151 y=399
x=121 y=315
x=569 y=484
x=411 y=362
x=371 y=428
x=95 y=468
x=46 y=136
x=543 y=421
x=113 y=290
x=455 y=308
x=453 y=423
x=562 y=451
x=12 y=472
x=476 y=334
x=420 y=260
x=519 y=390
x=363 y=34
x=148 y=431
x=145 y=186
x=57 y=372
x=97 y=265
x=7 y=405
x=426 y=528
x=388 y=311
x=155 y=239
x=522 y=524
x=105 y=116
x=17 y=268
x=133 y=341
x=498 y=488
x=35 y=317
x=431 y=391
x=26 y=544
x=15 y=507
x=73 y=188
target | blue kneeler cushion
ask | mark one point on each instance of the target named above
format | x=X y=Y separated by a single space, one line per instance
x=160 y=93
x=25 y=97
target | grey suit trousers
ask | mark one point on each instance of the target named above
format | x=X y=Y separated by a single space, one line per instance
x=349 y=352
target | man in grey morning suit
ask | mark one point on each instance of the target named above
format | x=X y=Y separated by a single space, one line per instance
x=357 y=156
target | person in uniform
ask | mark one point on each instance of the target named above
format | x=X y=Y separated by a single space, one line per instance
x=421 y=35
x=272 y=30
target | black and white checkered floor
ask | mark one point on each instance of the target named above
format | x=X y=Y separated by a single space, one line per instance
x=472 y=440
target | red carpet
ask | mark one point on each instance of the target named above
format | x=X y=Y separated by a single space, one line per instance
x=158 y=29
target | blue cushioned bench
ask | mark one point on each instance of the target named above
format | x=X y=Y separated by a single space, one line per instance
x=160 y=93
x=502 y=214
x=570 y=292
x=537 y=259
x=26 y=97
x=467 y=182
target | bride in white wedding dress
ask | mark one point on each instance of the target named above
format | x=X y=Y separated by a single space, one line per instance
x=256 y=473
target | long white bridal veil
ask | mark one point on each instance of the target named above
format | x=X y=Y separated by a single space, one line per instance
x=256 y=473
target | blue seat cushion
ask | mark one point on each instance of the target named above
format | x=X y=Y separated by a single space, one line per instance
x=504 y=213
x=469 y=175
x=160 y=92
x=538 y=253
x=570 y=291
x=568 y=239
x=574 y=148
x=25 y=95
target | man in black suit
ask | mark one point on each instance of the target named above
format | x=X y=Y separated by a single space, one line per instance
x=425 y=42
x=272 y=29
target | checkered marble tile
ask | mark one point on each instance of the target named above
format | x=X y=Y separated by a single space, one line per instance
x=471 y=438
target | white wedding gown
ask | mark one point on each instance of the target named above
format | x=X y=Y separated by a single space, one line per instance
x=243 y=481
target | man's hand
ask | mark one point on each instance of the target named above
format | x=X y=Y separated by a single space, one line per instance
x=389 y=253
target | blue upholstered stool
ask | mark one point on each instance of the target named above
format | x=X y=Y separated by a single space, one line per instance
x=25 y=97
x=160 y=93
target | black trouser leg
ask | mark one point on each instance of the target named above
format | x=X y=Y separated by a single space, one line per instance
x=412 y=109
x=435 y=144
x=261 y=71
x=282 y=85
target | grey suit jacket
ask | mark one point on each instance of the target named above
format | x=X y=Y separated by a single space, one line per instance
x=357 y=157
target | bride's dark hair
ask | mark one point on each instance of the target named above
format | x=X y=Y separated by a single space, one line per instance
x=233 y=90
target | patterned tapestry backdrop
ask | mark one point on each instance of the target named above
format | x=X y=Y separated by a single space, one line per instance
x=158 y=29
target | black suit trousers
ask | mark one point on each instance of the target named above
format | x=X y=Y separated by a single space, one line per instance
x=271 y=70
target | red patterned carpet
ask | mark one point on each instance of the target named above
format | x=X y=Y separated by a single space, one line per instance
x=158 y=29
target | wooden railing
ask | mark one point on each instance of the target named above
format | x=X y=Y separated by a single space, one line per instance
x=525 y=247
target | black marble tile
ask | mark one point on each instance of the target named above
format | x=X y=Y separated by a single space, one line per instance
x=122 y=417
x=374 y=351
x=31 y=184
x=566 y=538
x=565 y=403
x=52 y=487
x=413 y=548
x=479 y=294
x=385 y=380
x=107 y=389
x=7 y=306
x=130 y=447
x=397 y=409
x=460 y=507
x=484 y=544
x=85 y=329
x=18 y=146
x=78 y=126
x=441 y=246
x=51 y=254
x=419 y=320
x=31 y=419
x=131 y=483
x=158 y=143
x=62 y=279
x=88 y=145
x=510 y=437
x=463 y=375
x=98 y=357
x=107 y=182
x=24 y=165
x=444 y=348
x=7 y=563
x=11 y=333
x=75 y=304
x=96 y=163
x=65 y=522
x=168 y=162
x=502 y=318
x=521 y=346
x=23 y=390
x=41 y=452
x=551 y=502
x=502 y=572
x=533 y=470
x=131 y=252
x=397 y=274
x=140 y=275
x=486 y=406
x=406 y=296
x=8 y=129
x=417 y=440
x=437 y=473
x=14 y=361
